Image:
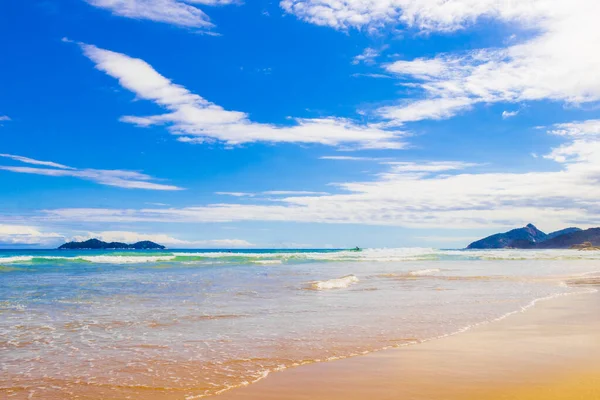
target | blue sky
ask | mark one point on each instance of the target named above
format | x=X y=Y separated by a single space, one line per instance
x=299 y=123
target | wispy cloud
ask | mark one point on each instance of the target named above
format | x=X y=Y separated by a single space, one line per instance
x=368 y=56
x=423 y=195
x=376 y=76
x=173 y=12
x=27 y=235
x=236 y=194
x=353 y=158
x=447 y=239
x=119 y=178
x=4 y=118
x=273 y=193
x=196 y=120
x=433 y=166
x=293 y=193
x=509 y=114
x=544 y=67
x=27 y=160
x=161 y=238
x=435 y=108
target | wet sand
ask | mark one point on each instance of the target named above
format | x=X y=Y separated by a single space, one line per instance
x=548 y=352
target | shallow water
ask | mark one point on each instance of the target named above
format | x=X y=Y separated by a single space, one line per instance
x=186 y=324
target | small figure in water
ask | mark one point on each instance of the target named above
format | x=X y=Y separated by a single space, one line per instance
x=356 y=249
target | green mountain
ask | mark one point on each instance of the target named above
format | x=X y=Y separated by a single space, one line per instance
x=95 y=244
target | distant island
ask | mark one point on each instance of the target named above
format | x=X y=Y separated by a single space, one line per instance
x=95 y=244
x=530 y=237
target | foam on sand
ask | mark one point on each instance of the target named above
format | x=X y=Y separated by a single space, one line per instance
x=424 y=272
x=337 y=283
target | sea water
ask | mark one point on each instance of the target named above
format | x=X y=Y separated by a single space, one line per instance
x=190 y=324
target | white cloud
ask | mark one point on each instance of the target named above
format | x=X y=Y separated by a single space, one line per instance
x=436 y=108
x=4 y=118
x=376 y=76
x=425 y=15
x=119 y=178
x=368 y=56
x=583 y=150
x=169 y=11
x=27 y=160
x=19 y=235
x=420 y=67
x=27 y=235
x=509 y=114
x=352 y=158
x=428 y=167
x=546 y=67
x=292 y=193
x=163 y=239
x=271 y=193
x=223 y=243
x=559 y=62
x=447 y=239
x=423 y=195
x=196 y=120
x=578 y=129
x=235 y=194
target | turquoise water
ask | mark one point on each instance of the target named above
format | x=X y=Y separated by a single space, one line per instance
x=192 y=323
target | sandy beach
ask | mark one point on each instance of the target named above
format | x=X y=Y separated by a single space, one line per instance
x=551 y=351
x=441 y=330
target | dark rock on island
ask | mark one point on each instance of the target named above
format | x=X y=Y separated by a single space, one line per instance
x=585 y=246
x=562 y=232
x=530 y=237
x=523 y=237
x=573 y=239
x=95 y=244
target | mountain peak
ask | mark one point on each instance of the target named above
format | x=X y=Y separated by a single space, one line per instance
x=524 y=237
x=530 y=237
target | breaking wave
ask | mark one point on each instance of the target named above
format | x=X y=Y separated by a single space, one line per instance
x=337 y=283
x=275 y=257
x=424 y=272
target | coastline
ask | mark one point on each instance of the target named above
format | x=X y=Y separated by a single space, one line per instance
x=549 y=351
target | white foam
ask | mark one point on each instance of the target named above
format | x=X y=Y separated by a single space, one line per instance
x=15 y=259
x=424 y=272
x=268 y=262
x=366 y=255
x=93 y=259
x=338 y=283
x=125 y=259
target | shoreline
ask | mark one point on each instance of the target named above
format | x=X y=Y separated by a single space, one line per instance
x=539 y=330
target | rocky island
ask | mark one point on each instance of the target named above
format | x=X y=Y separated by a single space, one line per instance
x=530 y=237
x=95 y=244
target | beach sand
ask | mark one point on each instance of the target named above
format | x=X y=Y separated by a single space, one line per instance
x=549 y=352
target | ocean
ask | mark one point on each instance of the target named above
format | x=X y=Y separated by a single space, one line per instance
x=194 y=323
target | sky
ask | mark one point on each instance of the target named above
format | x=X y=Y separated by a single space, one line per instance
x=296 y=123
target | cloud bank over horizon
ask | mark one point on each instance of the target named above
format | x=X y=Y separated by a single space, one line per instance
x=410 y=195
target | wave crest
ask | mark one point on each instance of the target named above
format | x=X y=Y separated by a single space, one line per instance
x=424 y=272
x=275 y=257
x=337 y=283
